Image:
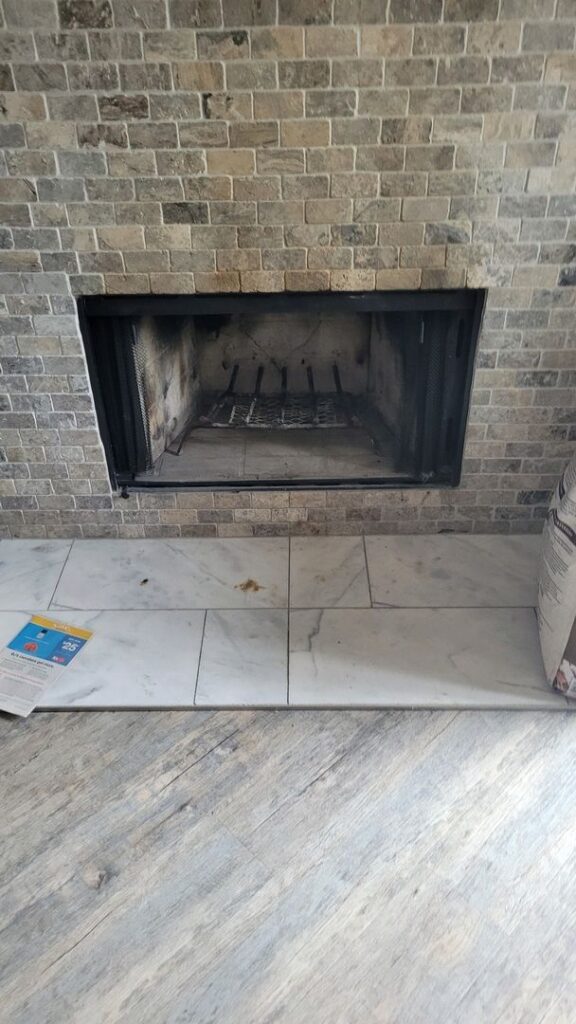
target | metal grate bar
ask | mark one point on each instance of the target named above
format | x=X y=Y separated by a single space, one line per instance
x=258 y=410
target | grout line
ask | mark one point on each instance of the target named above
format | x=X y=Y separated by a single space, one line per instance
x=65 y=563
x=295 y=608
x=288 y=612
x=367 y=570
x=200 y=657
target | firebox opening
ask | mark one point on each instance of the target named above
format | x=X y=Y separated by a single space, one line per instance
x=283 y=390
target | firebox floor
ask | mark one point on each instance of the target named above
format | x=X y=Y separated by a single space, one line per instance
x=213 y=454
x=344 y=621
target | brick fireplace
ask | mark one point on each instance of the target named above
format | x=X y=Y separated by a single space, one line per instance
x=270 y=147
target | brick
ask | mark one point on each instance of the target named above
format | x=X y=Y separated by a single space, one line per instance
x=376 y=210
x=278 y=104
x=277 y=43
x=530 y=154
x=40 y=77
x=357 y=73
x=102 y=136
x=353 y=234
x=129 y=284
x=383 y=257
x=198 y=75
x=249 y=12
x=560 y=67
x=305 y=186
x=262 y=281
x=330 y=41
x=330 y=103
x=406 y=130
x=425 y=209
x=238 y=259
x=539 y=97
x=336 y=158
x=487 y=38
x=526 y=68
x=444 y=100
x=352 y=280
x=481 y=99
x=251 y=74
x=410 y=71
x=357 y=131
x=179 y=162
x=223 y=45
x=285 y=212
x=208 y=188
x=403 y=184
x=92 y=76
x=398 y=279
x=439 y=39
x=353 y=185
x=170 y=45
x=329 y=258
x=543 y=37
x=429 y=157
x=305 y=133
x=379 y=158
x=153 y=136
x=225 y=281
x=227 y=106
x=307 y=280
x=85 y=14
x=254 y=134
x=200 y=14
x=172 y=284
x=299 y=12
x=471 y=10
x=148 y=76
x=230 y=161
x=232 y=212
x=174 y=106
x=452 y=70
x=385 y=41
x=145 y=14
x=185 y=213
x=327 y=211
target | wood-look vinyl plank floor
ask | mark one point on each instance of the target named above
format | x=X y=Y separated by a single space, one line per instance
x=279 y=867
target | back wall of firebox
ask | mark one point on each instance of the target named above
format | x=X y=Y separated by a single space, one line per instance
x=248 y=146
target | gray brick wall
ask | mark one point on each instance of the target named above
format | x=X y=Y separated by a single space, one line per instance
x=263 y=145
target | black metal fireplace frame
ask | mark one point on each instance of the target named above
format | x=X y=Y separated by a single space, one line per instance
x=470 y=300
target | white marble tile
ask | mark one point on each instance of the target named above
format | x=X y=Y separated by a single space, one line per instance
x=194 y=573
x=418 y=657
x=29 y=571
x=328 y=572
x=453 y=570
x=244 y=659
x=137 y=659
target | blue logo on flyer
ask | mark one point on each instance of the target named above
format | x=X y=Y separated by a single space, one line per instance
x=53 y=645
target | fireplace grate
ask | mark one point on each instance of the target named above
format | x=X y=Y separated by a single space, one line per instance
x=280 y=410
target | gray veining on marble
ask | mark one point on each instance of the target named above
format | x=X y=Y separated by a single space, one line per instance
x=192 y=573
x=328 y=572
x=244 y=659
x=29 y=571
x=430 y=657
x=135 y=659
x=453 y=570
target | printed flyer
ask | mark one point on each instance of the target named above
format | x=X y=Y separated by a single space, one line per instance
x=35 y=658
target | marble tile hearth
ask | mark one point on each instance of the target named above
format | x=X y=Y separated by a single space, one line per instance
x=386 y=621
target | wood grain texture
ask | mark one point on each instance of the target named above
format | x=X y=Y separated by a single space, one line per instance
x=283 y=867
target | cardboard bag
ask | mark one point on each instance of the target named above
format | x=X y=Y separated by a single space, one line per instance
x=557 y=587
